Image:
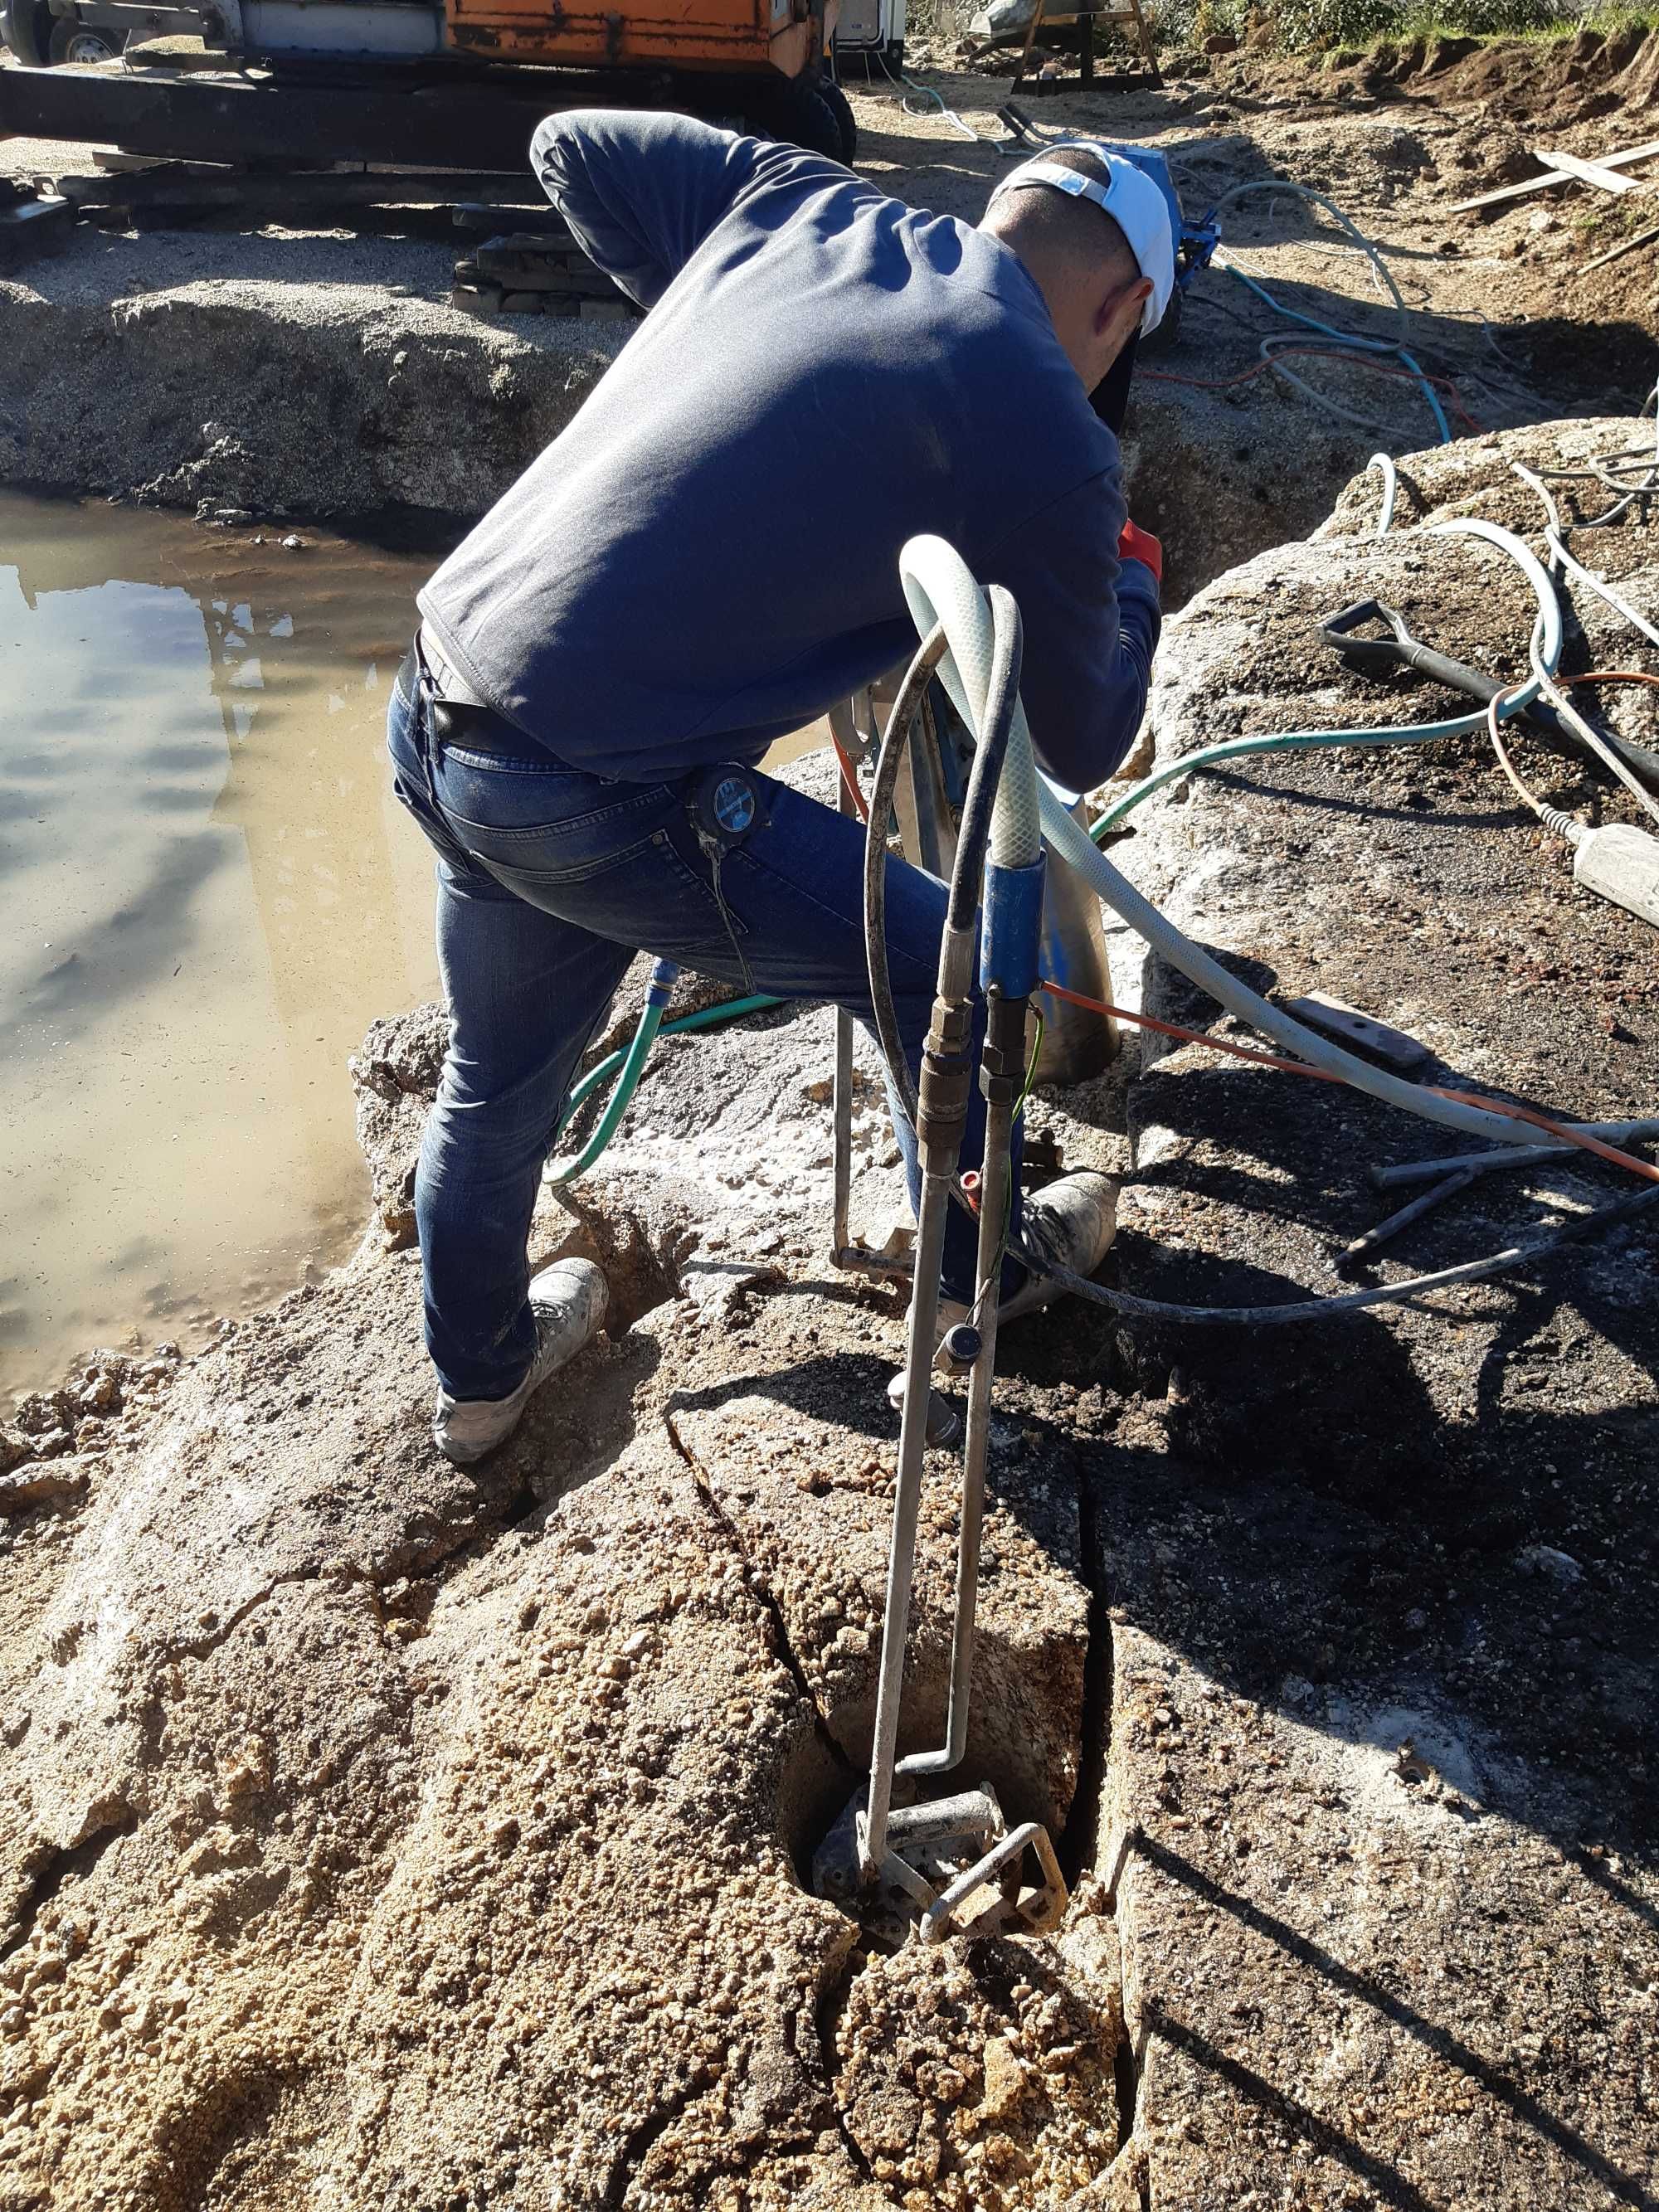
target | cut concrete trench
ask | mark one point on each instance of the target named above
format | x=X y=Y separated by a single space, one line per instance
x=474 y=1807
x=941 y=2064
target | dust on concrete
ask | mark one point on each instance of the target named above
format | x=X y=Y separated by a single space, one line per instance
x=418 y=1837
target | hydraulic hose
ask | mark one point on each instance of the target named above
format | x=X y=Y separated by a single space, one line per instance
x=952 y=597
x=888 y=761
x=940 y=590
x=991 y=821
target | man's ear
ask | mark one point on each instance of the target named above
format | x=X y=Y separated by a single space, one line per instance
x=1120 y=298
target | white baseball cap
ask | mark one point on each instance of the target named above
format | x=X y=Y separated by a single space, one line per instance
x=1129 y=197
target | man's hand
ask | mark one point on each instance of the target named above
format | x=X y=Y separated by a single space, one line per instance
x=1139 y=544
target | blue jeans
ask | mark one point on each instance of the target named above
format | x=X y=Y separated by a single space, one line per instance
x=549 y=881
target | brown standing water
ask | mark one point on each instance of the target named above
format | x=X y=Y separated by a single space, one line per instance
x=208 y=892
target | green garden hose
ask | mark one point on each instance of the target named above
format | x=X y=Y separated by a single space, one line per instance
x=625 y=1067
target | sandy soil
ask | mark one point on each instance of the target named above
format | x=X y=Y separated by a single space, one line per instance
x=418 y=1838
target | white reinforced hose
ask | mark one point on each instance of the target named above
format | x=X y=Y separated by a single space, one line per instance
x=940 y=589
x=1599 y=585
x=1383 y=464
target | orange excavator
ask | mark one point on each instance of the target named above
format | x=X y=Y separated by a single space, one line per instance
x=450 y=83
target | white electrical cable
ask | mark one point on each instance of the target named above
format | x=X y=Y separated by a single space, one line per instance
x=1600 y=586
x=939 y=586
x=905 y=86
x=1536 y=483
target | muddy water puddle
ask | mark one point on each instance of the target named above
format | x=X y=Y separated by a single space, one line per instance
x=208 y=893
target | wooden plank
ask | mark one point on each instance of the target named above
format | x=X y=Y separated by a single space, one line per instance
x=1628 y=160
x=1587 y=172
x=183 y=184
x=1336 y=1018
x=1625 y=245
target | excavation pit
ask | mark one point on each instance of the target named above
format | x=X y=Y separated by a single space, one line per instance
x=464 y=1826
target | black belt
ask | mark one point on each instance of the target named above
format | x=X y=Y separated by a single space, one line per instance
x=447 y=681
x=461 y=716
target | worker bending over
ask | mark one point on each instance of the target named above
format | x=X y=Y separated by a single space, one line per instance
x=707 y=558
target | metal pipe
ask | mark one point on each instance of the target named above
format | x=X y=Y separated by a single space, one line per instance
x=841 y=1103
x=1384 y=1231
x=907 y=1503
x=1510 y=1156
x=936 y=1921
x=1000 y=1081
x=971 y=1813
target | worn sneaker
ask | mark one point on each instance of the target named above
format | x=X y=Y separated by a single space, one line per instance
x=568 y=1301
x=1071 y=1221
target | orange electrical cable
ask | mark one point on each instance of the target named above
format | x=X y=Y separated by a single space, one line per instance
x=1501 y=699
x=850 y=778
x=1609 y=676
x=1568 y=1136
x=1191 y=1036
x=1645 y=1169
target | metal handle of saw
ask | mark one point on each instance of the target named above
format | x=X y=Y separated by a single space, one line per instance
x=1377 y=656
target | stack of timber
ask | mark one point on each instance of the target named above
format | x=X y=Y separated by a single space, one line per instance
x=130 y=192
x=537 y=271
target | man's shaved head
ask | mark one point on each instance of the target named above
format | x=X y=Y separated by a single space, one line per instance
x=1055 y=224
x=1082 y=263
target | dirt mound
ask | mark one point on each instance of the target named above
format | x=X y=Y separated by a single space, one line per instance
x=1562 y=81
x=1559 y=81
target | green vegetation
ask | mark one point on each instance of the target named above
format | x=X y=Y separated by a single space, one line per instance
x=1345 y=30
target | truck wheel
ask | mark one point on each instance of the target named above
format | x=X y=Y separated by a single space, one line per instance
x=842 y=108
x=73 y=41
x=797 y=112
x=25 y=27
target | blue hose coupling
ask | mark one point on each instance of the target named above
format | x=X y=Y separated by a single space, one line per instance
x=660 y=989
x=1013 y=929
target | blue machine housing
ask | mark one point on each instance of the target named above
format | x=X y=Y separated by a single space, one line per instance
x=1195 y=241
